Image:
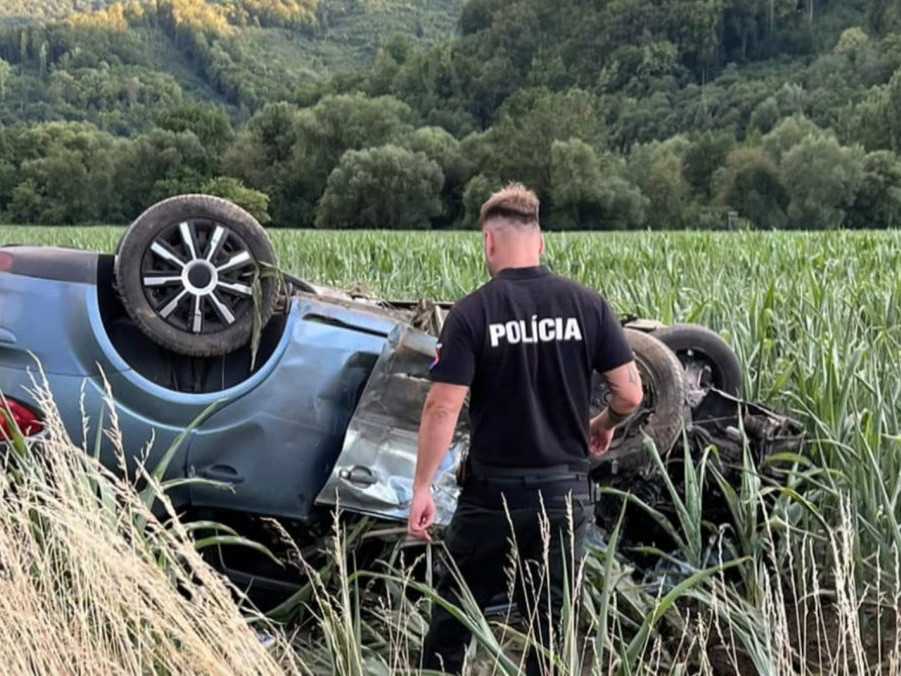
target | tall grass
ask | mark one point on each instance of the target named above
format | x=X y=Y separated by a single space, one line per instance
x=91 y=582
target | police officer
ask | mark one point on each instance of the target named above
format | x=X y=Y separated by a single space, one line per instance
x=524 y=346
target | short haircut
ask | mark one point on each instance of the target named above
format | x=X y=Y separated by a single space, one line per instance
x=514 y=203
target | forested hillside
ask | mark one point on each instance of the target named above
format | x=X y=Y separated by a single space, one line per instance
x=22 y=12
x=406 y=113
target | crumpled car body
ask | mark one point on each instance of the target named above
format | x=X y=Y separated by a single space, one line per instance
x=374 y=473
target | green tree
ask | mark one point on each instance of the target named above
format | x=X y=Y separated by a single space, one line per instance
x=765 y=115
x=703 y=158
x=823 y=178
x=161 y=164
x=519 y=145
x=478 y=190
x=262 y=157
x=476 y=15
x=878 y=201
x=384 y=187
x=66 y=175
x=873 y=120
x=575 y=189
x=5 y=70
x=587 y=194
x=8 y=181
x=254 y=202
x=851 y=42
x=656 y=168
x=892 y=110
x=787 y=134
x=445 y=150
x=25 y=203
x=624 y=206
x=210 y=124
x=328 y=130
x=751 y=185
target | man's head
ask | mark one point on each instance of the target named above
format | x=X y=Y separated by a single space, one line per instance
x=512 y=233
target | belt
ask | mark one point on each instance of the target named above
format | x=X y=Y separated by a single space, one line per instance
x=525 y=487
x=525 y=476
x=493 y=496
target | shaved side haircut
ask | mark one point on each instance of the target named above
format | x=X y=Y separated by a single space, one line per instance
x=515 y=205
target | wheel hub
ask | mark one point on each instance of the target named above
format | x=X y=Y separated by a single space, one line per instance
x=200 y=278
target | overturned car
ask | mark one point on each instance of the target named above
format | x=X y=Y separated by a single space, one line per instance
x=318 y=392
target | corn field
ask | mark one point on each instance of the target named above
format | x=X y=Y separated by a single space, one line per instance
x=811 y=583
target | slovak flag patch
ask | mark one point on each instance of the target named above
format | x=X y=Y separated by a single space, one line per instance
x=437 y=356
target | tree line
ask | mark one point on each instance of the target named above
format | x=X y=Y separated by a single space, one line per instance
x=622 y=115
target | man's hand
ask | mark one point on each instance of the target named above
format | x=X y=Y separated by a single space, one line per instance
x=436 y=431
x=624 y=384
x=422 y=515
x=601 y=435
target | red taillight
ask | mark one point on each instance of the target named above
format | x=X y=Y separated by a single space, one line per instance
x=27 y=420
x=6 y=261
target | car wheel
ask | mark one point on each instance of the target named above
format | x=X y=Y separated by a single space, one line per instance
x=708 y=360
x=186 y=271
x=661 y=414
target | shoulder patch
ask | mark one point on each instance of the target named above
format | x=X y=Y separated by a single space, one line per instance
x=437 y=356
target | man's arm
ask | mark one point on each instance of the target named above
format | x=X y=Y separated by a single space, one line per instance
x=436 y=431
x=626 y=395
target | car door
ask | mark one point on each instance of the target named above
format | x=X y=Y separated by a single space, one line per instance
x=374 y=472
x=272 y=449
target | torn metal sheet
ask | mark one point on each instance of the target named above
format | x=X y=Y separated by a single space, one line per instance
x=374 y=473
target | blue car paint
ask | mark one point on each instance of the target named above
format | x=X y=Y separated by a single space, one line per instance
x=282 y=440
x=276 y=435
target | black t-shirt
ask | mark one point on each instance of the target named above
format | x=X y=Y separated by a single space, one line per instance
x=527 y=343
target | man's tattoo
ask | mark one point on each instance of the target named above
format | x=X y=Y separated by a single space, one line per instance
x=634 y=378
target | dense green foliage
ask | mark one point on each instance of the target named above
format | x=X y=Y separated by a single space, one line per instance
x=621 y=114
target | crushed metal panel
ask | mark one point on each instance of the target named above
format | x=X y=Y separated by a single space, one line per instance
x=374 y=473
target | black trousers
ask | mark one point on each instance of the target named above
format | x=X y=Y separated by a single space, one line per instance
x=479 y=540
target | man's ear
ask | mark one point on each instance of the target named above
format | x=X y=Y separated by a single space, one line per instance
x=541 y=246
x=489 y=242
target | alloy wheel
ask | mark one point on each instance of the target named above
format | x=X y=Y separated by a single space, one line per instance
x=198 y=276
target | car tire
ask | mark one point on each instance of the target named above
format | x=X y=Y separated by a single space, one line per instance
x=661 y=415
x=186 y=270
x=699 y=348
